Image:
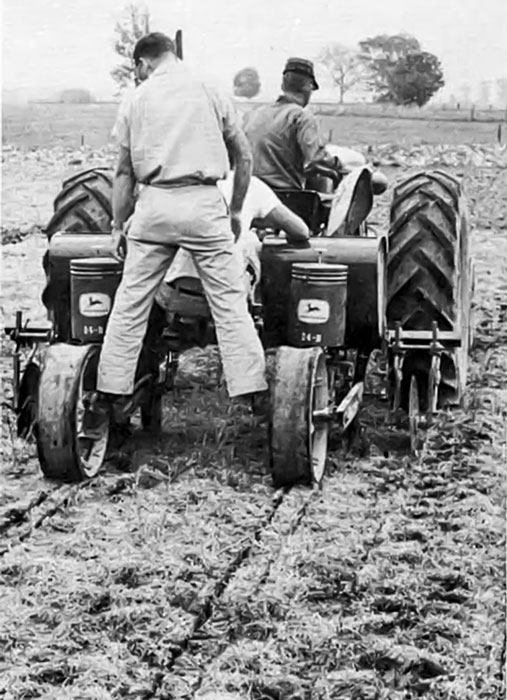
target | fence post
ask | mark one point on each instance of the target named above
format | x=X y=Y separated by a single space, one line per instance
x=472 y=114
x=82 y=140
x=499 y=134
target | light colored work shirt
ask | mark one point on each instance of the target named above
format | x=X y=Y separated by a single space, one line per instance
x=284 y=138
x=173 y=126
x=260 y=201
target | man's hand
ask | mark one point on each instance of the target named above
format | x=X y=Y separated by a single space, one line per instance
x=298 y=242
x=297 y=232
x=235 y=218
x=119 y=244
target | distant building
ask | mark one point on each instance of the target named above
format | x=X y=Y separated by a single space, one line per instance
x=75 y=96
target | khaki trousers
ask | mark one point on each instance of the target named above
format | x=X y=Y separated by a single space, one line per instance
x=196 y=219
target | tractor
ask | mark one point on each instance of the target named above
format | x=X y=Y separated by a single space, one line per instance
x=322 y=310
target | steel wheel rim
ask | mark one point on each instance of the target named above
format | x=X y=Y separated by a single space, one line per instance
x=90 y=452
x=27 y=410
x=318 y=431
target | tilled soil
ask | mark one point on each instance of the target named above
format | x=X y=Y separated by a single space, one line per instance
x=180 y=573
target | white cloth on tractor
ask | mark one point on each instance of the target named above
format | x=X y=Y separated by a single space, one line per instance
x=196 y=219
x=342 y=200
x=260 y=200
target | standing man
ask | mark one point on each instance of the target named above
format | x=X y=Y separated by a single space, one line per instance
x=284 y=136
x=175 y=135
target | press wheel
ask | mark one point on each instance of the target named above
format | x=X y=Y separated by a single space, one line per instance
x=68 y=379
x=298 y=444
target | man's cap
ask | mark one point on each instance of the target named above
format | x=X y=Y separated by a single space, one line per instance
x=303 y=67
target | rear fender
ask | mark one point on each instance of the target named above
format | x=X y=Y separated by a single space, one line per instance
x=64 y=247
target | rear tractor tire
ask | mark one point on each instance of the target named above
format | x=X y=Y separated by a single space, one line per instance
x=430 y=275
x=84 y=204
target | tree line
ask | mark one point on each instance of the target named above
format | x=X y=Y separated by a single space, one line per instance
x=392 y=68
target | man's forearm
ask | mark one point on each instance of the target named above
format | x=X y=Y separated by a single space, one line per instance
x=123 y=190
x=123 y=198
x=242 y=161
x=242 y=176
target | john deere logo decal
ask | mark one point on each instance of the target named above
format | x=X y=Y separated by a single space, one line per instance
x=313 y=311
x=94 y=304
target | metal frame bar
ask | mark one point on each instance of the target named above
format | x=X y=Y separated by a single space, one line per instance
x=345 y=412
x=23 y=336
x=435 y=346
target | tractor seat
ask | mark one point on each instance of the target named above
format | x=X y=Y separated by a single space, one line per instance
x=188 y=285
x=304 y=203
x=187 y=298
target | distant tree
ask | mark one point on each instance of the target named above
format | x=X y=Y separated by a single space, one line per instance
x=247 y=83
x=380 y=54
x=416 y=78
x=76 y=96
x=134 y=23
x=344 y=66
x=399 y=71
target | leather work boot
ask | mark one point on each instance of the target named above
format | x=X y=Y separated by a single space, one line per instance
x=256 y=402
x=101 y=407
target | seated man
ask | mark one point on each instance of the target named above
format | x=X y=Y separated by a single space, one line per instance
x=260 y=204
x=284 y=136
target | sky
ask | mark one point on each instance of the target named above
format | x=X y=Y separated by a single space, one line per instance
x=54 y=44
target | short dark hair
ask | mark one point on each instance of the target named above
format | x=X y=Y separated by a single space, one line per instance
x=153 y=45
x=296 y=82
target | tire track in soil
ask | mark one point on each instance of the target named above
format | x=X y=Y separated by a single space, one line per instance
x=408 y=529
x=46 y=505
x=294 y=515
x=207 y=609
x=432 y=515
x=53 y=502
x=63 y=495
x=223 y=632
x=240 y=560
x=420 y=613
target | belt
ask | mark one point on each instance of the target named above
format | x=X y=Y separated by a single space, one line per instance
x=186 y=181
